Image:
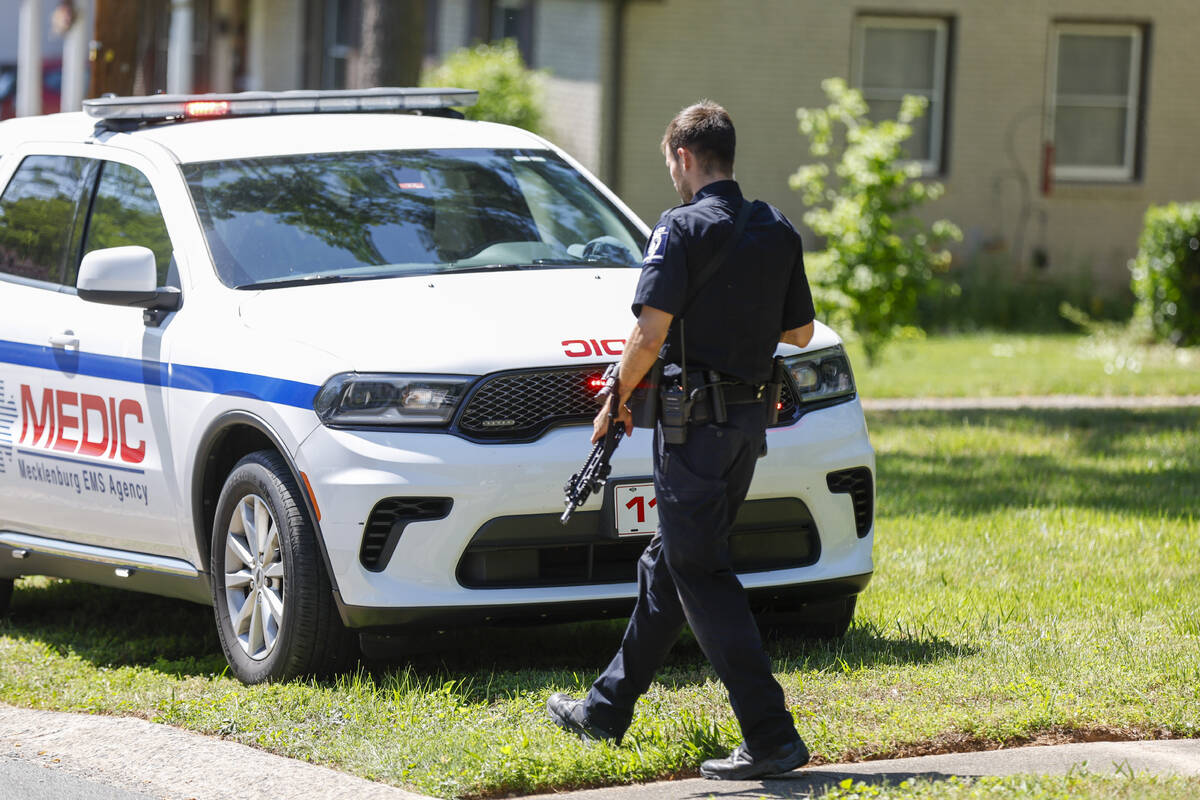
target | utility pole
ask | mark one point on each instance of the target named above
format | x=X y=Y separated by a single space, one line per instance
x=114 y=46
x=393 y=43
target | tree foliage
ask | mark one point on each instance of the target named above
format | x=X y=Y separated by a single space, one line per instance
x=879 y=257
x=509 y=92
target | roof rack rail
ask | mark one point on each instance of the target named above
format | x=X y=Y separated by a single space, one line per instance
x=129 y=112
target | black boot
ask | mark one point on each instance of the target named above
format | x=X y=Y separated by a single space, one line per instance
x=741 y=766
x=568 y=714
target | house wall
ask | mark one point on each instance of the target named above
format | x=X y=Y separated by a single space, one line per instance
x=763 y=59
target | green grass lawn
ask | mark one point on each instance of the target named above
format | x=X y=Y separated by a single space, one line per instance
x=1003 y=364
x=1021 y=787
x=1036 y=575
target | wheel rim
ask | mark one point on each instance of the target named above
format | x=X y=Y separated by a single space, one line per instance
x=254 y=577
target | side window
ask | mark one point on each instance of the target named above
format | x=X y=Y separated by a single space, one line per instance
x=126 y=212
x=41 y=214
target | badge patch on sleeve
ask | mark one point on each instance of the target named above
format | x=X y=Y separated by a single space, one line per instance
x=657 y=246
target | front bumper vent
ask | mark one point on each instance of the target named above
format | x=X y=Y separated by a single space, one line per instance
x=857 y=483
x=536 y=550
x=387 y=521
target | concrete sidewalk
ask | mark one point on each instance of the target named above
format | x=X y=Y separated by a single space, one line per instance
x=1177 y=757
x=1051 y=402
x=49 y=754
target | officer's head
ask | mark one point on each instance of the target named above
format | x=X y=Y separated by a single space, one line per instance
x=699 y=144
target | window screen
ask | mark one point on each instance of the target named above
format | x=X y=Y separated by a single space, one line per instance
x=1095 y=97
x=126 y=212
x=901 y=56
x=40 y=213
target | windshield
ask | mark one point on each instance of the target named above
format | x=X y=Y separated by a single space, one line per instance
x=351 y=216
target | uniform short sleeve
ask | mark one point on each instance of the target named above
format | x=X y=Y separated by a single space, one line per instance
x=798 y=305
x=664 y=281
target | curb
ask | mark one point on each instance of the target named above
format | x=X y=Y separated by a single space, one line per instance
x=160 y=761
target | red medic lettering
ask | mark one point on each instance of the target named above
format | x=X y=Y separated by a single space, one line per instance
x=90 y=404
x=85 y=424
x=64 y=421
x=132 y=455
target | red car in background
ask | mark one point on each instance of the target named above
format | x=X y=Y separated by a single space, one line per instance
x=51 y=88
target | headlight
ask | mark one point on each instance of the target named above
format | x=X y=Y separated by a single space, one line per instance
x=353 y=398
x=821 y=375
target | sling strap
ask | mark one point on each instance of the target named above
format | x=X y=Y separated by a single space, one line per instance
x=702 y=277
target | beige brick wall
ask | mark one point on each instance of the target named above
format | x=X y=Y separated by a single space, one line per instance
x=764 y=58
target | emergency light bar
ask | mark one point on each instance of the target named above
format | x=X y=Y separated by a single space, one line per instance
x=165 y=107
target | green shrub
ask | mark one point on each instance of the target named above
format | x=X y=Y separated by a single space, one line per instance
x=879 y=258
x=509 y=92
x=1166 y=273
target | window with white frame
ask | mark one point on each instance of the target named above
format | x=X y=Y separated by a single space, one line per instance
x=897 y=56
x=1094 y=96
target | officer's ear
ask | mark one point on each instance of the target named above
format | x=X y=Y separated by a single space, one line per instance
x=684 y=158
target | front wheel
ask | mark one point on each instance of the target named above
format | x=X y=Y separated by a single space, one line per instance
x=274 y=605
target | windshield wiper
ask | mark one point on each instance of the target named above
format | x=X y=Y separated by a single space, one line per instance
x=312 y=280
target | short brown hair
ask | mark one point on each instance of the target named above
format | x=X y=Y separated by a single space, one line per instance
x=707 y=131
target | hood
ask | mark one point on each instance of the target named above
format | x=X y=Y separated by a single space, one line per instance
x=467 y=324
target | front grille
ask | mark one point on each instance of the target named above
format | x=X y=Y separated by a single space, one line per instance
x=515 y=405
x=857 y=483
x=523 y=405
x=536 y=550
x=387 y=521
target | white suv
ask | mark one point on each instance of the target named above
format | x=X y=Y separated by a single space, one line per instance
x=326 y=366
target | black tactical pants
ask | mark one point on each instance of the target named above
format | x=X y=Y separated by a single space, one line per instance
x=685 y=575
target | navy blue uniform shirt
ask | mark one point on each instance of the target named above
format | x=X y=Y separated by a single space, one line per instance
x=734 y=323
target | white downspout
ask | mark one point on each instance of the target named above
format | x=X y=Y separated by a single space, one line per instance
x=29 y=59
x=75 y=67
x=179 y=48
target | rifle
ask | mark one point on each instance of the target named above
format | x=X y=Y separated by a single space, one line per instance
x=596 y=468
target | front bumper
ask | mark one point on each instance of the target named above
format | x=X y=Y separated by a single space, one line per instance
x=351 y=471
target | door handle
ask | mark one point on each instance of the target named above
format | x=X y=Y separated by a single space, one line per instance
x=65 y=339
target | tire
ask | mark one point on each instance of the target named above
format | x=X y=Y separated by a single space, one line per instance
x=824 y=621
x=6 y=590
x=296 y=630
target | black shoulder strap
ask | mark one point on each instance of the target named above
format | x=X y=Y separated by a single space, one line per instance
x=720 y=257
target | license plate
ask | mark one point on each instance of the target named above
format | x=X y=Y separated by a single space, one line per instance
x=636 y=508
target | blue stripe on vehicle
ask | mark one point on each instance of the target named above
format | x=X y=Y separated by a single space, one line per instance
x=100 y=464
x=157 y=373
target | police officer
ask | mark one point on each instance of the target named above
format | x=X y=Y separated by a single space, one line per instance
x=759 y=296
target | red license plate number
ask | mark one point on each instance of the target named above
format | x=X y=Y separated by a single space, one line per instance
x=636 y=508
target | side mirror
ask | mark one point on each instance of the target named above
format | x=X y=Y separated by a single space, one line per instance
x=125 y=276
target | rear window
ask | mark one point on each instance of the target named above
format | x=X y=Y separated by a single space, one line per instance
x=331 y=216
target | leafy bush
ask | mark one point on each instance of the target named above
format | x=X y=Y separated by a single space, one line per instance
x=1166 y=273
x=879 y=258
x=509 y=92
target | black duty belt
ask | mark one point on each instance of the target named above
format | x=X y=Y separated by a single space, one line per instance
x=732 y=393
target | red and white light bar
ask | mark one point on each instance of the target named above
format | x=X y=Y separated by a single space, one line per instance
x=162 y=107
